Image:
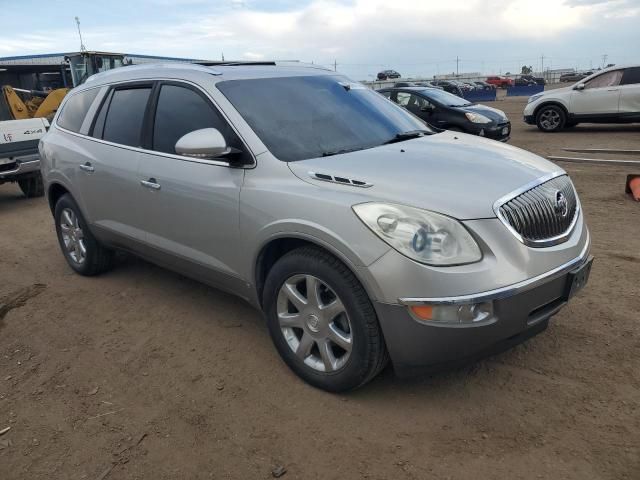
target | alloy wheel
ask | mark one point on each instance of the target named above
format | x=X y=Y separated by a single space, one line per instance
x=72 y=236
x=549 y=119
x=314 y=323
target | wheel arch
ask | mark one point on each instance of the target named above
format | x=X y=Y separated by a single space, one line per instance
x=54 y=191
x=549 y=103
x=276 y=247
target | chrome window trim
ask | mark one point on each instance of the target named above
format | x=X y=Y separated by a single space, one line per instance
x=508 y=291
x=220 y=163
x=547 y=242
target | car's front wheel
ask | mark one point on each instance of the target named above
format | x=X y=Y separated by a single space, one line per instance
x=551 y=118
x=81 y=249
x=322 y=321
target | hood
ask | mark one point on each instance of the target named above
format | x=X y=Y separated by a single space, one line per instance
x=489 y=112
x=451 y=173
x=555 y=91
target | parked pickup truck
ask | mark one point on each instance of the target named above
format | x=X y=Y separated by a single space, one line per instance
x=19 y=158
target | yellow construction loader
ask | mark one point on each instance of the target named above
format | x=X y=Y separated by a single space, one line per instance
x=44 y=104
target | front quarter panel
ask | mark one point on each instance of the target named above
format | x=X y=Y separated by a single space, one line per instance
x=274 y=203
x=561 y=96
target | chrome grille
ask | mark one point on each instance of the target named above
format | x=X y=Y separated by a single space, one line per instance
x=544 y=214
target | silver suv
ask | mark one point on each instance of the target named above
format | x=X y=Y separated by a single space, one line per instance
x=359 y=232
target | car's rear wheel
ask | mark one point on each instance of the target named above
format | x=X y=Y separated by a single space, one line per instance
x=32 y=186
x=80 y=248
x=551 y=118
x=322 y=321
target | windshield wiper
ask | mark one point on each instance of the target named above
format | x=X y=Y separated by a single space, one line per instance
x=401 y=137
x=341 y=151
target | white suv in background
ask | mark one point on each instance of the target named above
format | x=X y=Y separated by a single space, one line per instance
x=608 y=96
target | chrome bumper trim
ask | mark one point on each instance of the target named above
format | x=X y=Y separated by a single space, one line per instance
x=507 y=291
x=24 y=165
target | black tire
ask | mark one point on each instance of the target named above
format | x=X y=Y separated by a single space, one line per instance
x=551 y=118
x=32 y=186
x=98 y=259
x=368 y=355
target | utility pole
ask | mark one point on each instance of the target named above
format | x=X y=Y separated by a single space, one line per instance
x=542 y=64
x=335 y=65
x=223 y=56
x=604 y=60
x=457 y=66
x=82 y=47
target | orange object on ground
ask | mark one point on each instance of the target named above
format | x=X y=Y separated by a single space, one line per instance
x=633 y=186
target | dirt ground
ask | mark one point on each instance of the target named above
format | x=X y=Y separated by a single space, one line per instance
x=141 y=373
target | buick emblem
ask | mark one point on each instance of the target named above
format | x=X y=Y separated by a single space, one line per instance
x=562 y=206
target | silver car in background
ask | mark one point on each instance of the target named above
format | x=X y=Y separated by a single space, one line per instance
x=361 y=234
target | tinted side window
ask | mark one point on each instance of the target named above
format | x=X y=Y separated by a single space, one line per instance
x=181 y=110
x=631 y=76
x=98 y=126
x=76 y=108
x=125 y=115
x=608 y=79
x=386 y=94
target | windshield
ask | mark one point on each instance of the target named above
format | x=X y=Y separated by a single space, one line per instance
x=445 y=98
x=313 y=116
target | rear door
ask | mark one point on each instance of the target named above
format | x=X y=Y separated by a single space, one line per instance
x=109 y=173
x=190 y=206
x=630 y=93
x=600 y=96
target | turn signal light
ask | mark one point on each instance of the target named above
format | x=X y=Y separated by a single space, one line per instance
x=423 y=312
x=453 y=314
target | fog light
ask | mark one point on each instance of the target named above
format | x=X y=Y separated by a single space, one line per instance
x=452 y=314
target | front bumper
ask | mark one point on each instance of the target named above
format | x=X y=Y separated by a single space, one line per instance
x=519 y=312
x=528 y=113
x=500 y=132
x=19 y=167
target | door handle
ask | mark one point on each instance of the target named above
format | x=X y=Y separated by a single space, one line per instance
x=87 y=167
x=612 y=90
x=151 y=183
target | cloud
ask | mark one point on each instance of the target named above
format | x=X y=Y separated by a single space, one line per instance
x=363 y=35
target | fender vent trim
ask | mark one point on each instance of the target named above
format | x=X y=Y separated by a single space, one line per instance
x=325 y=177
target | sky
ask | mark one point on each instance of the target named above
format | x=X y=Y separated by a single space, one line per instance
x=361 y=37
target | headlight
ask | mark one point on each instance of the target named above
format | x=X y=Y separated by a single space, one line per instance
x=477 y=118
x=424 y=236
x=533 y=98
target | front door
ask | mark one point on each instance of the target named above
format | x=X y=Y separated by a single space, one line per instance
x=599 y=97
x=190 y=205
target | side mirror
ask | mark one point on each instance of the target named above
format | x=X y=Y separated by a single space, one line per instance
x=205 y=143
x=579 y=86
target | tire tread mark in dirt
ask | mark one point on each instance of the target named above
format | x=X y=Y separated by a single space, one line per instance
x=18 y=299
